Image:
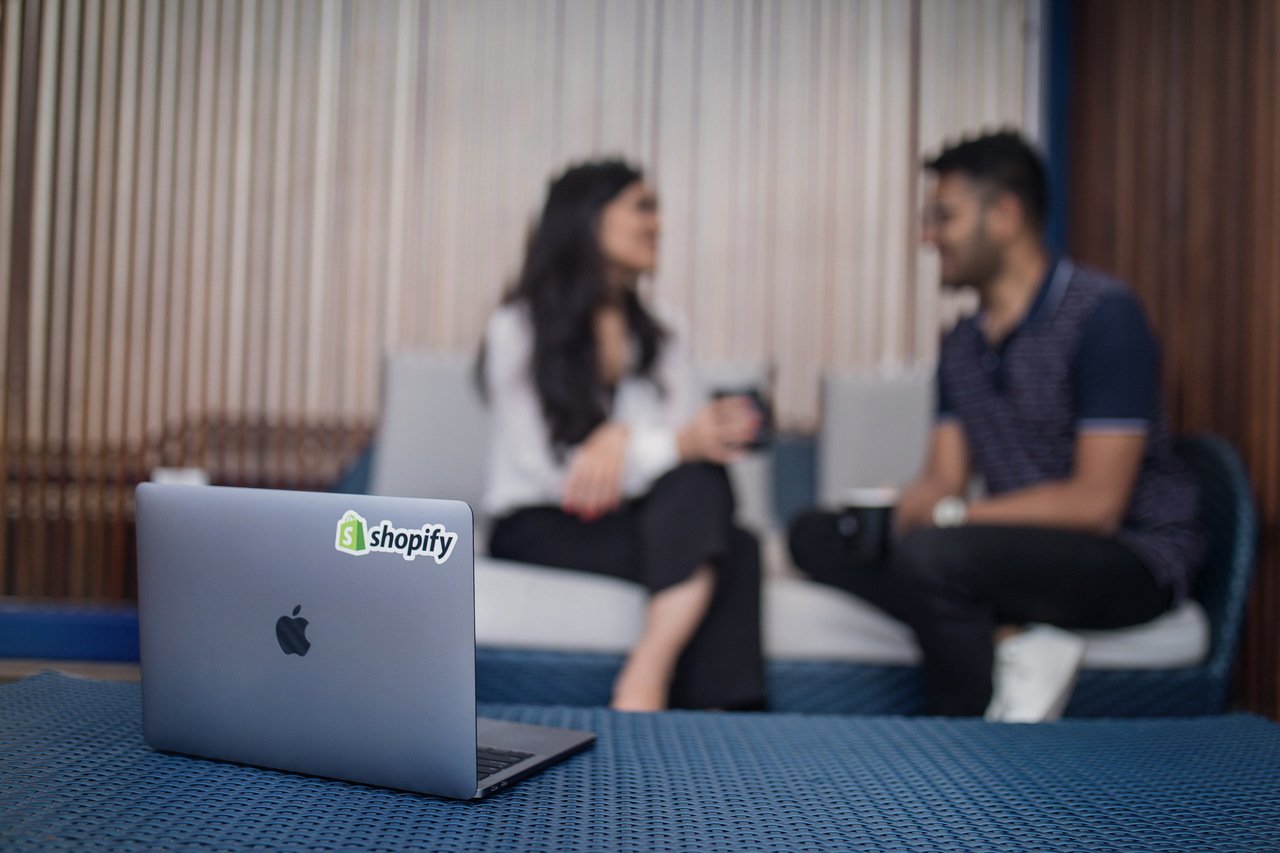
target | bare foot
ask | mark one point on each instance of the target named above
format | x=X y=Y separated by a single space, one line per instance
x=638 y=689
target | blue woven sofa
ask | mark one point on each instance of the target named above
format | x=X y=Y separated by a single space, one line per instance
x=1221 y=587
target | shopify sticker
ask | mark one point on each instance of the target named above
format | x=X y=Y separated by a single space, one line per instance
x=356 y=538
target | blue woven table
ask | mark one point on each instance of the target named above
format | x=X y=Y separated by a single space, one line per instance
x=75 y=774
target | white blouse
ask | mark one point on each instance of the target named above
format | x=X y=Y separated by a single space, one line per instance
x=523 y=470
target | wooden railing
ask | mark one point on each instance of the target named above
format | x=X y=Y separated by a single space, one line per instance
x=68 y=515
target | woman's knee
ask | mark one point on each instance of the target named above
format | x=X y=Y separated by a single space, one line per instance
x=700 y=486
x=744 y=555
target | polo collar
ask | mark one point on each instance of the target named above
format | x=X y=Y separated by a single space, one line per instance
x=1049 y=295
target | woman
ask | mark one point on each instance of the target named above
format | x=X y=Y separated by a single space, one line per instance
x=603 y=455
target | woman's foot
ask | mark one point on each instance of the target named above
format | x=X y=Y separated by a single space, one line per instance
x=672 y=617
x=638 y=692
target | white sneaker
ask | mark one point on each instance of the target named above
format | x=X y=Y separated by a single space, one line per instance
x=1034 y=673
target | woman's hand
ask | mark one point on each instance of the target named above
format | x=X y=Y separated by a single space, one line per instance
x=594 y=484
x=720 y=431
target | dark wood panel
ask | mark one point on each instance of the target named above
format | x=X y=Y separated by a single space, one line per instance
x=1175 y=185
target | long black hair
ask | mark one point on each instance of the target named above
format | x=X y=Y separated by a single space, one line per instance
x=563 y=284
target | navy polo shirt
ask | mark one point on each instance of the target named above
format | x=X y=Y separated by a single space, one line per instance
x=1083 y=359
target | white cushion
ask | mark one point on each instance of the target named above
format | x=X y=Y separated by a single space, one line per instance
x=523 y=606
x=535 y=607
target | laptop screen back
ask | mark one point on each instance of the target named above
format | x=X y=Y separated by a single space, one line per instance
x=319 y=633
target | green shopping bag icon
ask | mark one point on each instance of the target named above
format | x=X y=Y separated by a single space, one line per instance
x=351 y=534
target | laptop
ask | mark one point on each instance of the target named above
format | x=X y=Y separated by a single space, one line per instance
x=326 y=634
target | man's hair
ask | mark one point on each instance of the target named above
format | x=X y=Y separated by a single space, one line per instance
x=1004 y=162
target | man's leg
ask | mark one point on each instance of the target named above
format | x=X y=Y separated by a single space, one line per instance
x=954 y=586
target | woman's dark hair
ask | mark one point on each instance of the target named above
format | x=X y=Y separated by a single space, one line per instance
x=563 y=284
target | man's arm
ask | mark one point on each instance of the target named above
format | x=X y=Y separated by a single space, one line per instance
x=945 y=474
x=1093 y=499
x=1115 y=375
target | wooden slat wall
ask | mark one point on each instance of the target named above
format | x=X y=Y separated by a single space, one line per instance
x=216 y=216
x=1175 y=185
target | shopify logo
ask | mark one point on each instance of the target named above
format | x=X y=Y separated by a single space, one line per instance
x=356 y=538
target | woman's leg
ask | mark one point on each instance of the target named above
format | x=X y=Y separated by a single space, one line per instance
x=700 y=644
x=673 y=615
x=687 y=529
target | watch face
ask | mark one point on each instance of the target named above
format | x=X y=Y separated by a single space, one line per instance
x=950 y=512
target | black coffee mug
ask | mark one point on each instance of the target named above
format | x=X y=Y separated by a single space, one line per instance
x=764 y=433
x=866 y=524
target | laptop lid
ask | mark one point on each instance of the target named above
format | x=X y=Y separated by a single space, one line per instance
x=326 y=634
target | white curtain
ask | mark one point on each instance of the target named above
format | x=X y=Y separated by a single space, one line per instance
x=236 y=207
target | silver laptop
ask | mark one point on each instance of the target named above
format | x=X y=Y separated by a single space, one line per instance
x=326 y=634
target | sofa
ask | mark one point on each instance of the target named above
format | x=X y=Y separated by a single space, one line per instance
x=551 y=636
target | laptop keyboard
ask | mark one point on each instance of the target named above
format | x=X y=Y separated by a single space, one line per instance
x=490 y=761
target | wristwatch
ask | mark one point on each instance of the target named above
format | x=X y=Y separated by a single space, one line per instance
x=951 y=511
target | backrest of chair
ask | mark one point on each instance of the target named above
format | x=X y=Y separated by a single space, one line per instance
x=1222 y=582
x=873 y=431
x=433 y=435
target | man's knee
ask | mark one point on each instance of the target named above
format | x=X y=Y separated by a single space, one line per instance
x=816 y=546
x=936 y=562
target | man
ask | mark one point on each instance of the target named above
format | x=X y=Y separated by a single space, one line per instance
x=1050 y=394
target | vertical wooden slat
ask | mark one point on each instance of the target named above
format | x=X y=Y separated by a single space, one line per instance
x=60 y=351
x=78 y=505
x=180 y=274
x=99 y=428
x=398 y=166
x=122 y=343
x=25 y=576
x=296 y=98
x=263 y=231
x=314 y=398
x=10 y=23
x=31 y=528
x=161 y=281
x=200 y=238
x=237 y=333
x=218 y=340
x=1265 y=356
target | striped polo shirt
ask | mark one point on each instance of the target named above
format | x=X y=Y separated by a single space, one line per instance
x=1082 y=360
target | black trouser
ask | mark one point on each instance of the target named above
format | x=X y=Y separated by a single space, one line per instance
x=954 y=586
x=685 y=521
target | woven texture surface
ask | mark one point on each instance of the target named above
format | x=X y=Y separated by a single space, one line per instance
x=75 y=774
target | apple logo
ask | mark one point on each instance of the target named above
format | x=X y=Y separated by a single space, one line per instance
x=292 y=634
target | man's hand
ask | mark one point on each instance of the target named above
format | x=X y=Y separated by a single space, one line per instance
x=720 y=431
x=945 y=474
x=594 y=484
